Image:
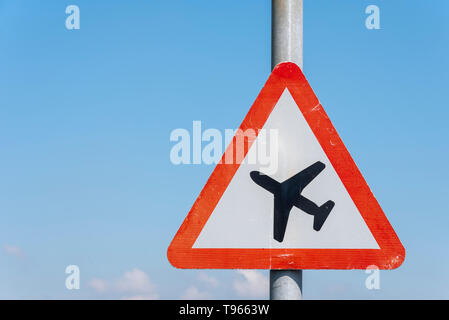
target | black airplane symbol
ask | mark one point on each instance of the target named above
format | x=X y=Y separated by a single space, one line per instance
x=288 y=194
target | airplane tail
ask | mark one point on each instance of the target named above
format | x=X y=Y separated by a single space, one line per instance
x=322 y=214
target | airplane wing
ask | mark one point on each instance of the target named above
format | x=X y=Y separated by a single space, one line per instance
x=265 y=181
x=303 y=178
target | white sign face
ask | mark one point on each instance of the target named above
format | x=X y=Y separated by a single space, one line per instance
x=244 y=216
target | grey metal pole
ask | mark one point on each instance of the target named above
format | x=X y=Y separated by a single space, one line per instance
x=286 y=45
x=286 y=32
x=285 y=284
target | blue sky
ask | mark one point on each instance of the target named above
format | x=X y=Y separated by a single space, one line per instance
x=86 y=115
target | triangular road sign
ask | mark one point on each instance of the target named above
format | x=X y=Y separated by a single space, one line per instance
x=309 y=209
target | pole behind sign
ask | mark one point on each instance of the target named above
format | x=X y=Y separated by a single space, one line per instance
x=286 y=45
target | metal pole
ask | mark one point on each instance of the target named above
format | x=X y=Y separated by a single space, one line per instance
x=286 y=32
x=285 y=284
x=286 y=45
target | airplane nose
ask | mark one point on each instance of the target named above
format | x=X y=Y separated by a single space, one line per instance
x=254 y=174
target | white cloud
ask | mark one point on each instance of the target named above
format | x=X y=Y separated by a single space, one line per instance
x=13 y=251
x=135 y=281
x=211 y=281
x=98 y=285
x=135 y=284
x=253 y=285
x=192 y=293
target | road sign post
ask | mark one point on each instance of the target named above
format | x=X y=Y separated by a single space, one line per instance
x=308 y=207
x=286 y=45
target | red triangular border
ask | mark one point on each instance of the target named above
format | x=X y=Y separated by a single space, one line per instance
x=391 y=253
